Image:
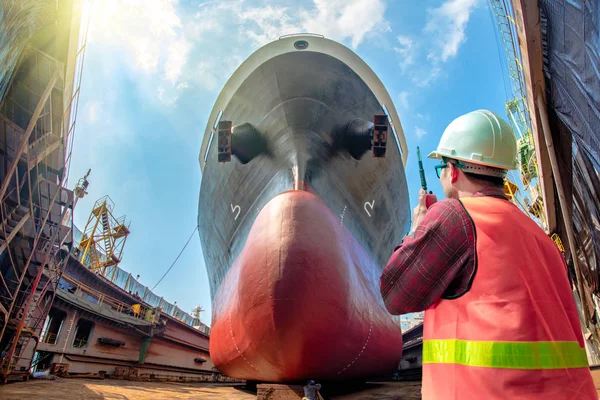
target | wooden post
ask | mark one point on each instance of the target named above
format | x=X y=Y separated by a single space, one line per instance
x=541 y=105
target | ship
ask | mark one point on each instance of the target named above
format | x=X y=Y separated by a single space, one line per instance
x=303 y=198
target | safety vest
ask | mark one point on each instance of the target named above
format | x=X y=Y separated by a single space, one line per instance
x=516 y=333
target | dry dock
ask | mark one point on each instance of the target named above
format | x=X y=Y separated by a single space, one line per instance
x=76 y=389
x=80 y=389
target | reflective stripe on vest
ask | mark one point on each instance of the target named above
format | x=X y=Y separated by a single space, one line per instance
x=516 y=355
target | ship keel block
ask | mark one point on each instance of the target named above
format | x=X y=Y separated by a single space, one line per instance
x=298 y=302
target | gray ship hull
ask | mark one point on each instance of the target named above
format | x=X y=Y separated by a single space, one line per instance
x=301 y=104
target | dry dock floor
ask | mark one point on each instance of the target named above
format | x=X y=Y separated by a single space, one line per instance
x=76 y=389
x=84 y=389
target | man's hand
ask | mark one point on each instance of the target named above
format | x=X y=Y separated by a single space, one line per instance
x=421 y=209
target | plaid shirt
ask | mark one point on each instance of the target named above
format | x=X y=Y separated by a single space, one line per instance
x=438 y=261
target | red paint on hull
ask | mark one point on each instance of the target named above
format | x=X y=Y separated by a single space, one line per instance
x=302 y=301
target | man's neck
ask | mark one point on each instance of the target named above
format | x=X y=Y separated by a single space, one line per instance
x=482 y=191
x=471 y=190
x=462 y=194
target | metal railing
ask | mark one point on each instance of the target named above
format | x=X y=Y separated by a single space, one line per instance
x=50 y=338
x=130 y=284
x=79 y=343
x=134 y=310
x=302 y=34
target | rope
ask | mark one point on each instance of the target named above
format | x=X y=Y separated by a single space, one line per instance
x=180 y=253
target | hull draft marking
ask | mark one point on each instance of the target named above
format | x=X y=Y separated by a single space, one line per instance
x=366 y=343
x=238 y=211
x=370 y=205
x=342 y=217
x=236 y=346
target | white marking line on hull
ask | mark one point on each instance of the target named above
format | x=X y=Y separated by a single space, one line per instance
x=236 y=346
x=371 y=205
x=342 y=218
x=238 y=211
x=366 y=343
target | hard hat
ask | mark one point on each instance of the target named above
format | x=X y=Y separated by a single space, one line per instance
x=482 y=138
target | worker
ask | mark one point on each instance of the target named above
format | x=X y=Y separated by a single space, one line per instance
x=311 y=391
x=500 y=319
x=137 y=308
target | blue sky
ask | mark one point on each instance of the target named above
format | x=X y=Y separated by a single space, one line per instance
x=153 y=70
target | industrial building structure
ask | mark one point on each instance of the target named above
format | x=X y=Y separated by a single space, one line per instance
x=65 y=304
x=97 y=327
x=105 y=322
x=39 y=90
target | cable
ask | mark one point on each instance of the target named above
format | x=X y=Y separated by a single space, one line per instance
x=181 y=252
x=71 y=138
x=500 y=50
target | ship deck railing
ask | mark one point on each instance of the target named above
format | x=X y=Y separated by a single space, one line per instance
x=301 y=34
x=137 y=310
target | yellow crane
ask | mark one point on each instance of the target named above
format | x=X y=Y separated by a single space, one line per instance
x=103 y=239
x=525 y=189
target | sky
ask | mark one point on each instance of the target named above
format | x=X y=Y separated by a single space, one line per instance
x=154 y=68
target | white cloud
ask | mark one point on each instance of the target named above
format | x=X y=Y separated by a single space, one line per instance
x=168 y=95
x=170 y=49
x=206 y=74
x=443 y=34
x=405 y=42
x=149 y=35
x=144 y=28
x=420 y=132
x=263 y=25
x=426 y=75
x=244 y=26
x=335 y=19
x=423 y=117
x=93 y=109
x=343 y=19
x=207 y=21
x=403 y=99
x=447 y=25
x=177 y=57
x=406 y=50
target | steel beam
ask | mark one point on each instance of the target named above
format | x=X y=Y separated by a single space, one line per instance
x=25 y=138
x=14 y=232
x=49 y=149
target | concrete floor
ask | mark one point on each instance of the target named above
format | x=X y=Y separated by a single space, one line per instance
x=80 y=389
x=76 y=389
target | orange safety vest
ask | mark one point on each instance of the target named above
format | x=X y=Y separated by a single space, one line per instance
x=516 y=333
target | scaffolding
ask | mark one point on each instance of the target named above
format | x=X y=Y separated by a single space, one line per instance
x=103 y=238
x=523 y=188
x=133 y=286
x=37 y=116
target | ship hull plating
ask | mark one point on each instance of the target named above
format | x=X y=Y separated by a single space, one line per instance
x=295 y=240
x=300 y=301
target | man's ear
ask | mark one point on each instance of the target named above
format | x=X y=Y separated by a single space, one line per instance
x=454 y=172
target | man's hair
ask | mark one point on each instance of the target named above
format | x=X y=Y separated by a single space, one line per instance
x=485 y=179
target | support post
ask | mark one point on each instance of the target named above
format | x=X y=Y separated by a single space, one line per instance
x=541 y=105
x=144 y=348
